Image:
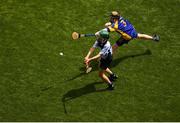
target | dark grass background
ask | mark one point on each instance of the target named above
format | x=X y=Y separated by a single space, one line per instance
x=37 y=84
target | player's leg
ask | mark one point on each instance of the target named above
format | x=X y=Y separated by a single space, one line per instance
x=148 y=37
x=112 y=76
x=144 y=36
x=114 y=47
x=108 y=60
x=104 y=63
x=109 y=71
x=103 y=76
x=119 y=43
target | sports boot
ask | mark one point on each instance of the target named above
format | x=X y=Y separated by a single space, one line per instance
x=113 y=77
x=156 y=38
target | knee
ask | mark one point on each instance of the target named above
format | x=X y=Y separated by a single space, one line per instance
x=139 y=35
x=115 y=46
x=100 y=74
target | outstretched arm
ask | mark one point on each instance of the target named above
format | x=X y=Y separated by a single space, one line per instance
x=89 y=53
x=87 y=56
x=93 y=58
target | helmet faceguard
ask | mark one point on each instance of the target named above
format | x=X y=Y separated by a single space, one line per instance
x=103 y=36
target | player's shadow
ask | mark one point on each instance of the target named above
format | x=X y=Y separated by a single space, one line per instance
x=90 y=88
x=76 y=76
x=115 y=62
x=75 y=93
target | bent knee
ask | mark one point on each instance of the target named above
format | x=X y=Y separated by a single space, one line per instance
x=101 y=74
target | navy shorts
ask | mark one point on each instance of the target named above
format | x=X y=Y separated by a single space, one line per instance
x=121 y=41
x=132 y=33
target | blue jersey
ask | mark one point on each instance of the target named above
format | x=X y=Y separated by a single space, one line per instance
x=125 y=28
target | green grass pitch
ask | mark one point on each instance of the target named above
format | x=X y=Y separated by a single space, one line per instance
x=37 y=84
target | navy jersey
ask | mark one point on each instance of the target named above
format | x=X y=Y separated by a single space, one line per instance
x=123 y=27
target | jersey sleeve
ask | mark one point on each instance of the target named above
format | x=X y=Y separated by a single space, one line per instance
x=95 y=45
x=113 y=27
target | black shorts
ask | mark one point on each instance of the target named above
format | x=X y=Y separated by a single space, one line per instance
x=121 y=41
x=105 y=63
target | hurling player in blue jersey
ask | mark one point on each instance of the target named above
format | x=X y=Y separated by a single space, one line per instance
x=126 y=30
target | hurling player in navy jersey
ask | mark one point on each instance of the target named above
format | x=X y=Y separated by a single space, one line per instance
x=126 y=30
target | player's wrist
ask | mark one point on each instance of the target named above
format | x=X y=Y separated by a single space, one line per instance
x=87 y=57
